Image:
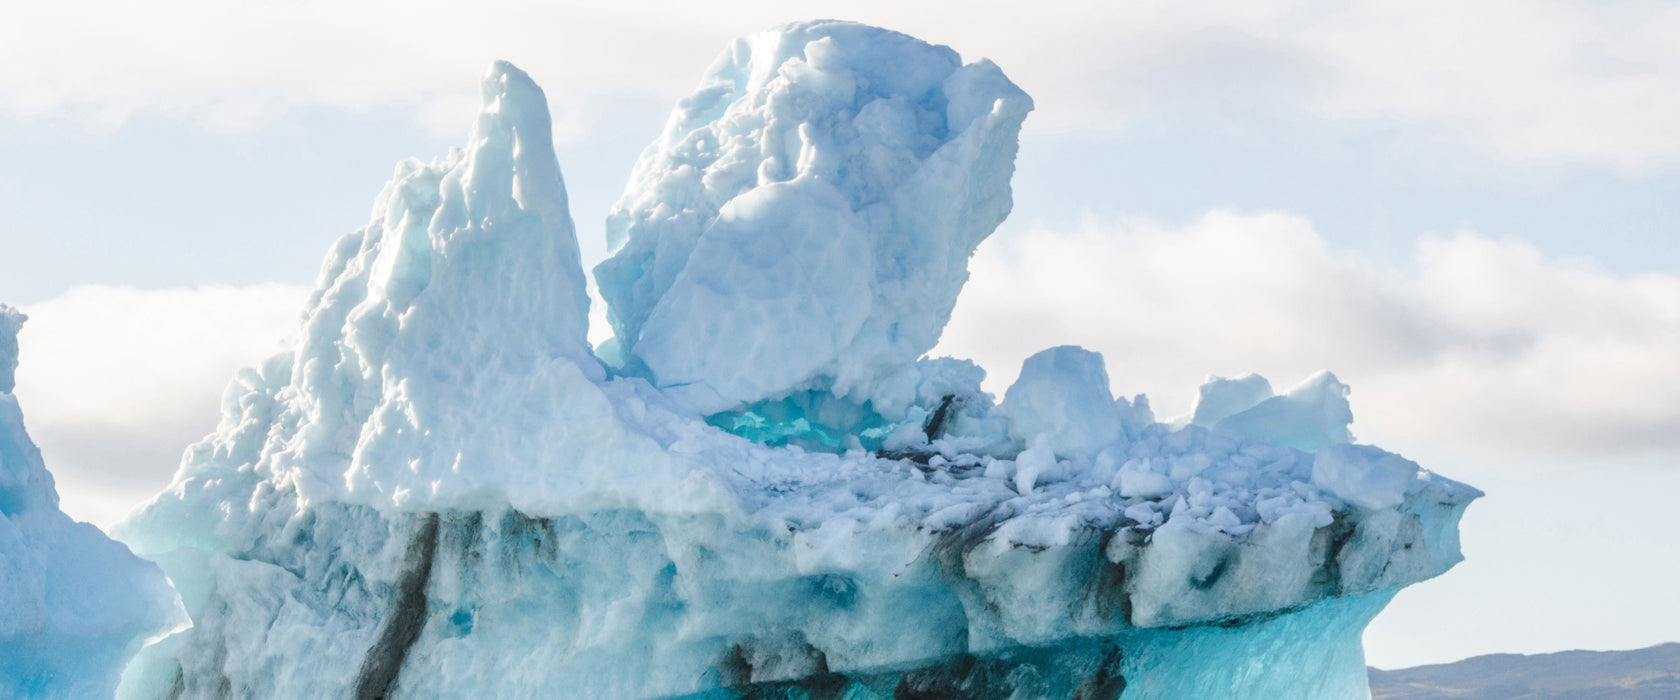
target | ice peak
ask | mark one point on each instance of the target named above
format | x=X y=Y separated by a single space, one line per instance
x=510 y=153
x=804 y=223
x=487 y=216
x=463 y=295
x=11 y=320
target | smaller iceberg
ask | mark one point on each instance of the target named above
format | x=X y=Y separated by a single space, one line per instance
x=74 y=605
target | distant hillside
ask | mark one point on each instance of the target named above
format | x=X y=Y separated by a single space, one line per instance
x=1642 y=674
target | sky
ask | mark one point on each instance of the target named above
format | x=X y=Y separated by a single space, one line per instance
x=1469 y=211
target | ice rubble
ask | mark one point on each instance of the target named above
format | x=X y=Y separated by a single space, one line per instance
x=74 y=605
x=441 y=493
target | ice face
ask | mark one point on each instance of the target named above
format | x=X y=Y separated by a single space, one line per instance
x=806 y=218
x=75 y=604
x=442 y=493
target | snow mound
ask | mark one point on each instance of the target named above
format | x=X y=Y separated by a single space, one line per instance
x=76 y=604
x=765 y=490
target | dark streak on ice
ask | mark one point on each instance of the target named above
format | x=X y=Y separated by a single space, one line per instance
x=962 y=677
x=1107 y=588
x=933 y=428
x=408 y=615
x=1105 y=683
x=935 y=425
x=1084 y=671
x=1202 y=583
x=1330 y=574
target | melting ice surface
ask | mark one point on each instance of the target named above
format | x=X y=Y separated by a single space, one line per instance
x=74 y=605
x=762 y=489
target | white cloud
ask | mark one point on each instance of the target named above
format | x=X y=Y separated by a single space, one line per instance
x=1477 y=347
x=1527 y=80
x=1532 y=79
x=115 y=381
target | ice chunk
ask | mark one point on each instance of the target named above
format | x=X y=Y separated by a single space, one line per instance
x=1034 y=463
x=1313 y=414
x=1063 y=393
x=1144 y=513
x=1363 y=475
x=74 y=605
x=1136 y=480
x=806 y=218
x=1219 y=397
x=1135 y=415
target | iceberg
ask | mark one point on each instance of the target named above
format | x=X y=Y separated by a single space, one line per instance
x=76 y=605
x=760 y=487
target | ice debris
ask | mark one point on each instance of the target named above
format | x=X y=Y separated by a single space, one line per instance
x=764 y=490
x=74 y=605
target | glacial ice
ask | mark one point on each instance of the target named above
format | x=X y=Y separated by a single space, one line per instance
x=880 y=161
x=74 y=605
x=765 y=490
x=1062 y=394
x=1219 y=398
x=1310 y=416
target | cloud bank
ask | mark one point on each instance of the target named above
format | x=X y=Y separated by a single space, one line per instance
x=115 y=382
x=1479 y=347
x=1525 y=80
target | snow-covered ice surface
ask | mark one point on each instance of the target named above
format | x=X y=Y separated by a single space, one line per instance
x=763 y=490
x=74 y=605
